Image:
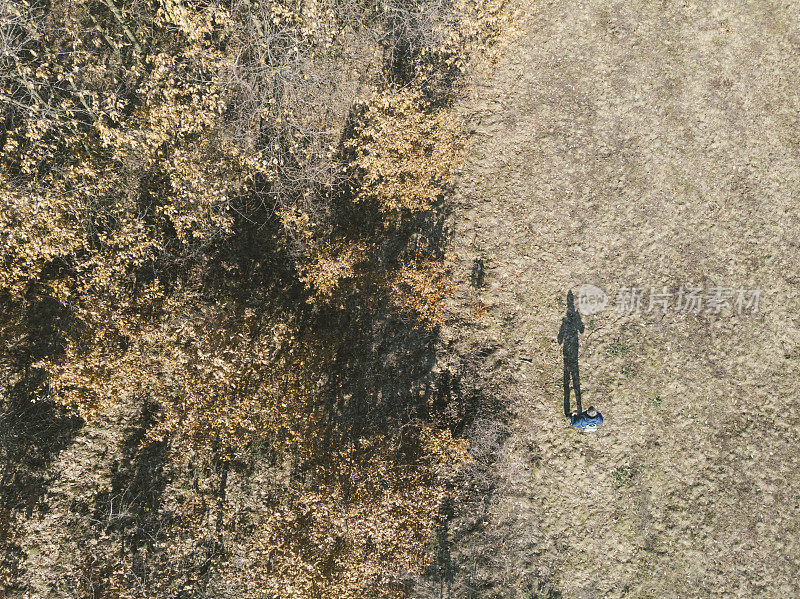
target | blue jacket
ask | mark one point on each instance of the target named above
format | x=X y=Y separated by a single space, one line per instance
x=586 y=423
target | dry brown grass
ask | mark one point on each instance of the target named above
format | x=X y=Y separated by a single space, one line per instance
x=653 y=144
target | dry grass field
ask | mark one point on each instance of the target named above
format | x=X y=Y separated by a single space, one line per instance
x=225 y=230
x=638 y=144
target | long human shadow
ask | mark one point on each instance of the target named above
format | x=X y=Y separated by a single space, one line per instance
x=571 y=326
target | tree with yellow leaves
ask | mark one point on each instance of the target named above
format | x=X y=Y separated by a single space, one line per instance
x=219 y=246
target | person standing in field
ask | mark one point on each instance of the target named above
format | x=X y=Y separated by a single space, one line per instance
x=586 y=422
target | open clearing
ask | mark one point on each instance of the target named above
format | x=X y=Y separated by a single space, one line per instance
x=642 y=144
